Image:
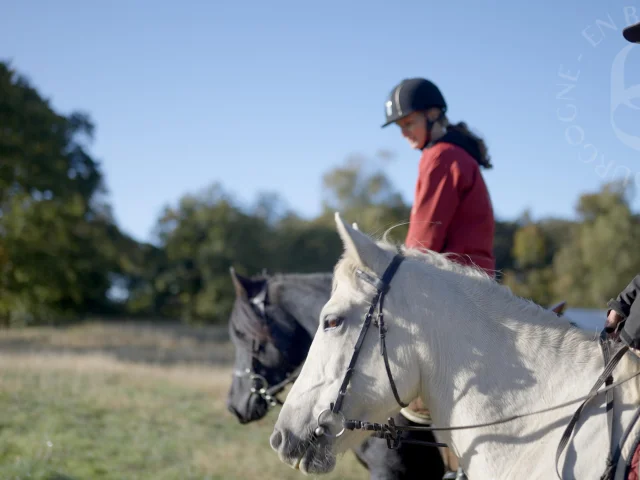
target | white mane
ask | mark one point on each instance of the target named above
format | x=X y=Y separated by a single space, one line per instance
x=479 y=284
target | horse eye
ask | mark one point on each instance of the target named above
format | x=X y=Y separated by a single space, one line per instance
x=331 y=322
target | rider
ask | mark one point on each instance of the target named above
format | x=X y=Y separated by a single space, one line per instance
x=452 y=211
x=624 y=311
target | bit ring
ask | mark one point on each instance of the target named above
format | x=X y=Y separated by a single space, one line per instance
x=261 y=384
x=321 y=430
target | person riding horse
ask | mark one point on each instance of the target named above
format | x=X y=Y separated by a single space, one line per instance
x=452 y=211
x=623 y=314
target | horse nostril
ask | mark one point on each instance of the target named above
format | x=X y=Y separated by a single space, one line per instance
x=276 y=439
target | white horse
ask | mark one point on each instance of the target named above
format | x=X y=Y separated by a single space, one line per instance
x=473 y=351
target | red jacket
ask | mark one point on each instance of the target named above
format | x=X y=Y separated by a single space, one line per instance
x=452 y=210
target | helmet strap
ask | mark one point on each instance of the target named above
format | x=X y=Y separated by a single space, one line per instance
x=430 y=124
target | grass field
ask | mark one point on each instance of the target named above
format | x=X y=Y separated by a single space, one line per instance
x=129 y=401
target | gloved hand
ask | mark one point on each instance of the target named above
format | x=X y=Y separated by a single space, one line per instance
x=612 y=323
x=623 y=316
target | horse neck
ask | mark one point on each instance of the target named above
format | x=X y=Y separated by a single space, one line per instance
x=487 y=355
x=303 y=296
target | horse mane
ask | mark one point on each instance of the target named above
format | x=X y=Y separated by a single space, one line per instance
x=301 y=284
x=481 y=284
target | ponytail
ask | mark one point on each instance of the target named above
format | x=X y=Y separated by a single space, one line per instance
x=480 y=150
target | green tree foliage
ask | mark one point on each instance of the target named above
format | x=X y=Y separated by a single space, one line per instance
x=203 y=236
x=54 y=225
x=529 y=246
x=365 y=195
x=601 y=255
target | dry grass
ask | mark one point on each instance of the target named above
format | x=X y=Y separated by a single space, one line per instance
x=128 y=402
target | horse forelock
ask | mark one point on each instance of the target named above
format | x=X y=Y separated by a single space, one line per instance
x=247 y=323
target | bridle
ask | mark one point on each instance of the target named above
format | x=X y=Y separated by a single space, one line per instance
x=259 y=384
x=391 y=432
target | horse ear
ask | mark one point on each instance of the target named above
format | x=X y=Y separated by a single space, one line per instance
x=360 y=246
x=238 y=284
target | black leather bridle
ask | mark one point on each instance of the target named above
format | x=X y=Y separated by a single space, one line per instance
x=390 y=431
x=259 y=384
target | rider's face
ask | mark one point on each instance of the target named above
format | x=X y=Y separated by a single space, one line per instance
x=414 y=129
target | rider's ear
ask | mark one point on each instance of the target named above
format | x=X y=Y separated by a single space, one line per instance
x=361 y=247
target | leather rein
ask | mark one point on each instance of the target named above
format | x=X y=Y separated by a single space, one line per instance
x=391 y=432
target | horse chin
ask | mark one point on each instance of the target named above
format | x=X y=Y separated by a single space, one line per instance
x=314 y=457
x=316 y=460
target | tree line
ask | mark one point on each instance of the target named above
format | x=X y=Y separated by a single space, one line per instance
x=63 y=257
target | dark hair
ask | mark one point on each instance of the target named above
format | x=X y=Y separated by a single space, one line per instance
x=479 y=148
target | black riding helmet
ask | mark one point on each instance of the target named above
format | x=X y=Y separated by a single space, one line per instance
x=632 y=33
x=412 y=95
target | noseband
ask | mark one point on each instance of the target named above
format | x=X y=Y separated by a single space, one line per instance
x=389 y=432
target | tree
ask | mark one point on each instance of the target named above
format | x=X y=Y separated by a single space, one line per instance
x=55 y=259
x=529 y=246
x=602 y=254
x=365 y=195
x=203 y=236
x=503 y=244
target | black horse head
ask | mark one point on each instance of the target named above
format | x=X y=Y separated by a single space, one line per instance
x=269 y=346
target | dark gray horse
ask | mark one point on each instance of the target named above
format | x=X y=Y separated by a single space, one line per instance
x=272 y=324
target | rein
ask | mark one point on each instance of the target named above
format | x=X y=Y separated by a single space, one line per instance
x=390 y=431
x=358 y=425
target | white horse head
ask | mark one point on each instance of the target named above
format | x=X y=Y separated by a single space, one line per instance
x=474 y=353
x=332 y=347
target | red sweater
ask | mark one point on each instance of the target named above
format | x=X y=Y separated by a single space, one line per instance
x=452 y=210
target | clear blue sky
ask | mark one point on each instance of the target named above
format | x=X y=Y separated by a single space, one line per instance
x=266 y=96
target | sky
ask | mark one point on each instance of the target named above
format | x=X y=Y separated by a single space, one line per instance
x=267 y=96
